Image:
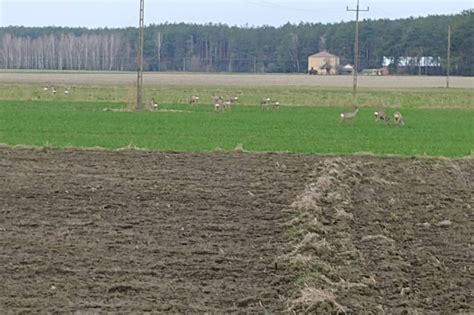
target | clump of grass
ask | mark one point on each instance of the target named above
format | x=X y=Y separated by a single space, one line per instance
x=240 y=148
x=312 y=299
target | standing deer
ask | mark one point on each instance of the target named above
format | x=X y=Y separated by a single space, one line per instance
x=399 y=119
x=275 y=105
x=265 y=102
x=381 y=115
x=227 y=104
x=349 y=115
x=194 y=99
x=219 y=104
x=154 y=104
x=215 y=98
x=233 y=99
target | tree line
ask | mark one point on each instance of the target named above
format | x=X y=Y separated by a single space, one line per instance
x=404 y=44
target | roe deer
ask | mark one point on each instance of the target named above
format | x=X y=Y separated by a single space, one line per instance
x=233 y=100
x=265 y=101
x=194 y=99
x=275 y=105
x=215 y=98
x=219 y=104
x=399 y=119
x=381 y=115
x=349 y=115
x=154 y=104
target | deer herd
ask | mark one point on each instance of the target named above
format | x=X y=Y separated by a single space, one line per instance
x=225 y=103
x=54 y=91
x=379 y=116
x=222 y=103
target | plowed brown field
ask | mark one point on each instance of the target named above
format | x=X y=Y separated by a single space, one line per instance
x=210 y=79
x=133 y=231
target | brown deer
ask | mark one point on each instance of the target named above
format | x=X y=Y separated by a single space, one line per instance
x=399 y=119
x=264 y=102
x=194 y=100
x=275 y=105
x=154 y=104
x=381 y=115
x=233 y=100
x=349 y=115
x=219 y=104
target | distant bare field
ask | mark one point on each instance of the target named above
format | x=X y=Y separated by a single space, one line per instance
x=204 y=79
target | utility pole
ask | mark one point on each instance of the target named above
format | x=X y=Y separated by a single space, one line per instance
x=449 y=57
x=141 y=35
x=356 y=48
x=159 y=51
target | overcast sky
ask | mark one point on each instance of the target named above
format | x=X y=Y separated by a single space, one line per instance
x=122 y=13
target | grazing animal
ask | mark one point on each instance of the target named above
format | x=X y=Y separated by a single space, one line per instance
x=215 y=98
x=194 y=100
x=229 y=101
x=349 y=115
x=154 y=104
x=227 y=104
x=54 y=90
x=66 y=92
x=233 y=100
x=381 y=115
x=399 y=119
x=275 y=105
x=219 y=104
x=265 y=102
x=45 y=88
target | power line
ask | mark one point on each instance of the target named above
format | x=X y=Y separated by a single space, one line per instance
x=356 y=47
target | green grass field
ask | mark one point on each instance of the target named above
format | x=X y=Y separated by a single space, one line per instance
x=310 y=129
x=290 y=96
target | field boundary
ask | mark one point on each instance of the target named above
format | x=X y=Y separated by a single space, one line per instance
x=238 y=149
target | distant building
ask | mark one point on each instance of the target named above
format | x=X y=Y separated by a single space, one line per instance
x=323 y=63
x=376 y=71
x=347 y=69
x=414 y=65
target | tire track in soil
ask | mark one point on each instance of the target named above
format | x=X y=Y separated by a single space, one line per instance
x=145 y=231
x=424 y=267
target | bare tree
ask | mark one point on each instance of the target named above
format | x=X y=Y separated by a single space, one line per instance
x=159 y=40
x=294 y=50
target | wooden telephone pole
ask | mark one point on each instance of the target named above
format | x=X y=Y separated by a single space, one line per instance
x=449 y=57
x=356 y=48
x=141 y=35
